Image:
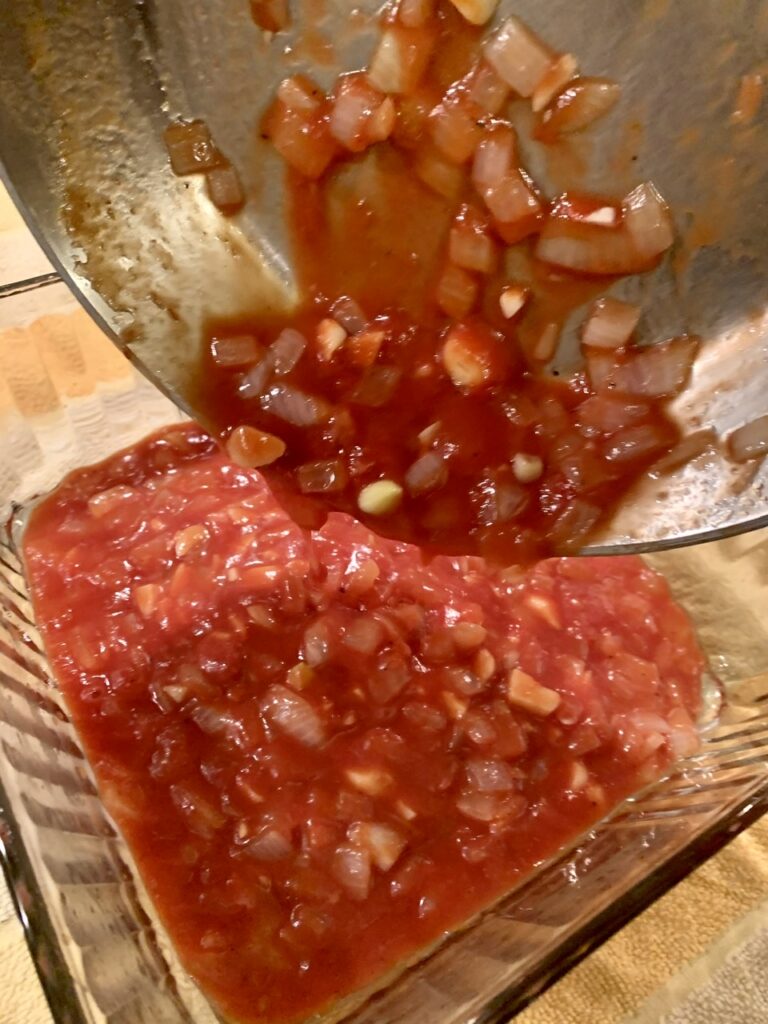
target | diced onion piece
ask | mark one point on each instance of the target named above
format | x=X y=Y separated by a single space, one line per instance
x=485 y=89
x=457 y=291
x=352 y=868
x=467 y=636
x=515 y=207
x=400 y=59
x=512 y=300
x=292 y=714
x=360 y=114
x=440 y=174
x=611 y=323
x=363 y=348
x=489 y=776
x=470 y=355
x=518 y=56
x=384 y=843
x=271 y=15
x=489 y=807
x=495 y=157
x=300 y=676
x=457 y=706
x=298 y=129
x=190 y=148
x=558 y=75
x=578 y=106
x=225 y=190
x=543 y=606
x=644 y=234
x=323 y=477
x=294 y=406
x=235 y=350
x=648 y=223
x=604 y=217
x=146 y=597
x=415 y=13
x=269 y=845
x=750 y=441
x=572 y=526
x=189 y=539
x=377 y=386
x=299 y=93
x=330 y=337
x=454 y=129
x=251 y=448
x=605 y=414
x=484 y=665
x=659 y=371
x=427 y=473
x=381 y=498
x=578 y=776
x=476 y=12
x=371 y=781
x=349 y=314
x=544 y=346
x=527 y=468
x=523 y=691
x=469 y=244
x=286 y=350
x=638 y=442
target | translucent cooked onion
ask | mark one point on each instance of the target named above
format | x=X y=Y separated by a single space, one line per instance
x=286 y=350
x=578 y=106
x=235 y=350
x=401 y=59
x=382 y=842
x=268 y=845
x=559 y=74
x=298 y=129
x=495 y=156
x=294 y=406
x=323 y=477
x=190 y=148
x=659 y=371
x=469 y=244
x=686 y=450
x=349 y=314
x=389 y=677
x=454 y=128
x=489 y=775
x=427 y=473
x=364 y=634
x=292 y=714
x=518 y=56
x=515 y=207
x=636 y=443
x=643 y=235
x=457 y=291
x=750 y=441
x=360 y=114
x=604 y=414
x=610 y=324
x=476 y=12
x=485 y=89
x=352 y=868
x=225 y=189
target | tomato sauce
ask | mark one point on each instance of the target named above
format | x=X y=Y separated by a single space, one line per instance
x=323 y=753
x=407 y=232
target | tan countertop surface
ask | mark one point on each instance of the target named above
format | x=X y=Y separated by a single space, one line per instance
x=698 y=956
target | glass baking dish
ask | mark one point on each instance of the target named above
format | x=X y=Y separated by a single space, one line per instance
x=66 y=399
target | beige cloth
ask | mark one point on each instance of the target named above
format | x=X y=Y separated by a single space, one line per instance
x=699 y=956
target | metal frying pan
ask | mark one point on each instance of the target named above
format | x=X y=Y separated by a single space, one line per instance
x=87 y=86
